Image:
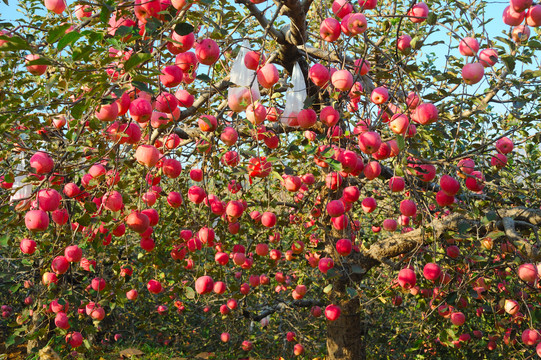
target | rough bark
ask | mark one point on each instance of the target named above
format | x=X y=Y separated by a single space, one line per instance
x=345 y=336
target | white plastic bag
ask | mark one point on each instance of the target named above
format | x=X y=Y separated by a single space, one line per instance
x=23 y=190
x=240 y=97
x=295 y=97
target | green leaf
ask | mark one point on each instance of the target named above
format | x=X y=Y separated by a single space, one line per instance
x=124 y=30
x=183 y=28
x=84 y=220
x=77 y=110
x=308 y=102
x=91 y=207
x=9 y=178
x=401 y=142
x=57 y=32
x=40 y=61
x=492 y=215
x=356 y=269
x=463 y=227
x=136 y=59
x=14 y=43
x=105 y=14
x=190 y=293
x=351 y=292
x=203 y=77
x=142 y=86
x=70 y=38
x=4 y=241
x=451 y=298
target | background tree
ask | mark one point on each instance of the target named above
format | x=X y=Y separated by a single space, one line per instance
x=237 y=177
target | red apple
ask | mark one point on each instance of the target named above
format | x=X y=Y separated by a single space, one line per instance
x=329 y=30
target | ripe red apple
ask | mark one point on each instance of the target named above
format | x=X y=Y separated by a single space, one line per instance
x=443 y=199
x=342 y=80
x=356 y=23
x=379 y=95
x=473 y=73
x=113 y=201
x=325 y=264
x=530 y=337
x=256 y=113
x=329 y=30
x=36 y=220
x=254 y=60
x=449 y=185
x=369 y=204
x=154 y=286
x=207 y=52
x=453 y=251
x=533 y=16
x=511 y=17
x=504 y=145
x=425 y=113
x=520 y=33
x=341 y=8
x=404 y=43
x=418 y=13
x=171 y=76
x=432 y=271
x=204 y=285
x=351 y=194
x=268 y=219
x=61 y=320
x=36 y=69
x=138 y=222
x=399 y=123
x=407 y=278
x=499 y=161
x=390 y=224
x=147 y=155
x=475 y=182
x=369 y=142
x=332 y=312
x=520 y=5
x=368 y=4
x=329 y=116
x=372 y=170
x=457 y=318
x=268 y=76
x=335 y=208
x=28 y=246
x=73 y=253
x=527 y=272
x=397 y=183
x=48 y=199
x=140 y=110
x=319 y=75
x=41 y=162
x=60 y=265
x=344 y=247
x=466 y=167
x=511 y=307
x=468 y=46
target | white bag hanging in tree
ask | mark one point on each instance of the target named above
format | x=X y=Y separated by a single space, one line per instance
x=238 y=98
x=295 y=97
x=24 y=191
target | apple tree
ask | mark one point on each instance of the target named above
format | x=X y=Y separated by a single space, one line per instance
x=272 y=178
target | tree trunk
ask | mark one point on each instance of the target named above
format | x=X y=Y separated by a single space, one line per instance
x=345 y=335
x=33 y=345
